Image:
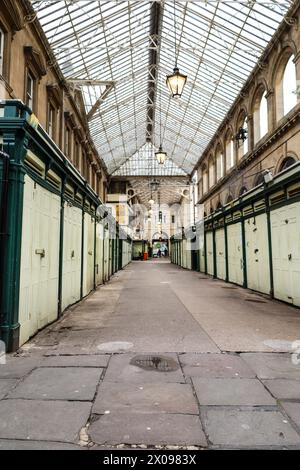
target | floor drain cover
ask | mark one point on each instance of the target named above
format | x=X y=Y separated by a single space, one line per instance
x=158 y=363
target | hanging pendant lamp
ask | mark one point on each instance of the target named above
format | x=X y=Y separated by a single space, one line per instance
x=161 y=156
x=176 y=81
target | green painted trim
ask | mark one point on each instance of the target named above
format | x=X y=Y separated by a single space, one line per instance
x=95 y=251
x=226 y=254
x=10 y=327
x=82 y=253
x=205 y=253
x=103 y=257
x=61 y=250
x=287 y=202
x=214 y=254
x=269 y=230
x=244 y=254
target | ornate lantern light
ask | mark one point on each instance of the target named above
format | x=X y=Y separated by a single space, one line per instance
x=161 y=156
x=176 y=81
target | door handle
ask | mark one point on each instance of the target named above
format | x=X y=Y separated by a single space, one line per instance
x=40 y=252
x=290 y=256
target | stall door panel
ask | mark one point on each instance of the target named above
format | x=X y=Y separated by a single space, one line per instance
x=71 y=256
x=210 y=253
x=106 y=255
x=99 y=254
x=183 y=254
x=235 y=254
x=88 y=277
x=39 y=272
x=220 y=254
x=257 y=253
x=50 y=234
x=294 y=244
x=285 y=224
x=280 y=251
x=27 y=315
x=188 y=255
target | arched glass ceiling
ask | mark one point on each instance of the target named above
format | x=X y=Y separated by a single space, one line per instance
x=219 y=43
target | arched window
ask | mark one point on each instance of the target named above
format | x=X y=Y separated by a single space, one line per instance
x=243 y=190
x=229 y=199
x=204 y=179
x=219 y=205
x=211 y=172
x=286 y=163
x=260 y=116
x=259 y=179
x=289 y=84
x=263 y=115
x=220 y=164
x=1 y=50
x=285 y=85
x=229 y=151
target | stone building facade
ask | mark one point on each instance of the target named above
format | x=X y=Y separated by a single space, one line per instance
x=261 y=133
x=29 y=72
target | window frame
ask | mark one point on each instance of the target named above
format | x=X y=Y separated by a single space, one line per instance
x=2 y=49
x=30 y=100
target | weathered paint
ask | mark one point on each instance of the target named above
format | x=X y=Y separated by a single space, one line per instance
x=38 y=303
x=71 y=255
x=285 y=226
x=235 y=253
x=257 y=253
x=220 y=253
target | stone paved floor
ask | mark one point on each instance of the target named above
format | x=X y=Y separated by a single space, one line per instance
x=159 y=357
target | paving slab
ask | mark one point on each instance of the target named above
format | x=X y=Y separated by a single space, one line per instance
x=284 y=388
x=148 y=429
x=272 y=365
x=55 y=383
x=247 y=392
x=215 y=365
x=120 y=370
x=76 y=361
x=145 y=398
x=8 y=444
x=293 y=411
x=5 y=386
x=17 y=367
x=234 y=427
x=42 y=420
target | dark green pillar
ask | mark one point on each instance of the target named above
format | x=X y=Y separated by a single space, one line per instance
x=15 y=146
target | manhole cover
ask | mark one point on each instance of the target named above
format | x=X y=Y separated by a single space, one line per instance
x=159 y=363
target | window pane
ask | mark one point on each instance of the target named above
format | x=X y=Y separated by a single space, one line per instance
x=289 y=86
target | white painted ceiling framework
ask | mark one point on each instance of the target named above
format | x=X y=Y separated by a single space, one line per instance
x=218 y=45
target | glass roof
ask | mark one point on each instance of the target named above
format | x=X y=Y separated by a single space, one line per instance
x=111 y=44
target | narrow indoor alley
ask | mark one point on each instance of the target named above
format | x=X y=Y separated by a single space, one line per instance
x=149 y=228
x=160 y=357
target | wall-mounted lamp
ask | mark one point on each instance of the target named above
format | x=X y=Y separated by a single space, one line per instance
x=268 y=176
x=242 y=134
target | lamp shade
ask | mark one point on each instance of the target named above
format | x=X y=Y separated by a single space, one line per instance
x=161 y=156
x=176 y=83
